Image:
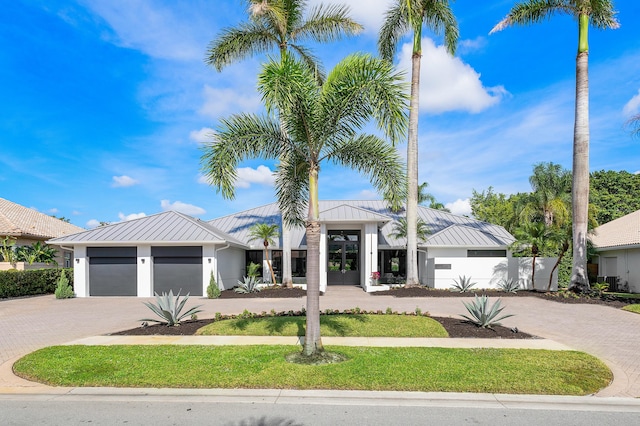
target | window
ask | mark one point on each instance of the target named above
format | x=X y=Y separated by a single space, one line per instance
x=253 y=256
x=298 y=263
x=392 y=265
x=486 y=253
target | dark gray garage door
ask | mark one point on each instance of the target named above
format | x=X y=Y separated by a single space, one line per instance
x=112 y=271
x=177 y=268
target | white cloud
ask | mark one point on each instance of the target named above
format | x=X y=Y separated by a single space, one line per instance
x=93 y=223
x=220 y=102
x=76 y=213
x=447 y=83
x=368 y=194
x=202 y=135
x=131 y=216
x=203 y=180
x=633 y=106
x=261 y=175
x=148 y=27
x=123 y=181
x=181 y=207
x=472 y=45
x=637 y=173
x=460 y=207
x=53 y=210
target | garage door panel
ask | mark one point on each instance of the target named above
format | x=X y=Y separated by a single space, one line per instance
x=110 y=276
x=177 y=269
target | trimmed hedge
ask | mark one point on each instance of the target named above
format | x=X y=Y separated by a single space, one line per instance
x=28 y=283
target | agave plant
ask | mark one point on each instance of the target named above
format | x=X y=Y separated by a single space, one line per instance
x=250 y=285
x=508 y=286
x=482 y=314
x=169 y=308
x=463 y=284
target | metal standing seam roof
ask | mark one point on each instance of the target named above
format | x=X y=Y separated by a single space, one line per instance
x=468 y=232
x=18 y=221
x=166 y=227
x=621 y=232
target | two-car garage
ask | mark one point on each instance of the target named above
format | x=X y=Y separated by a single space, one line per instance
x=113 y=271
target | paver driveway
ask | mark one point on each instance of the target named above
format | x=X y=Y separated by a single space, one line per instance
x=610 y=334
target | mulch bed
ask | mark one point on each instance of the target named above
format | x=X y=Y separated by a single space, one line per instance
x=455 y=327
x=268 y=292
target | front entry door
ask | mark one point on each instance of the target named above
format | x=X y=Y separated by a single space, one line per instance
x=343 y=258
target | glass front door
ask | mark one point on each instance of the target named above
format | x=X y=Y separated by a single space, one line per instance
x=343 y=260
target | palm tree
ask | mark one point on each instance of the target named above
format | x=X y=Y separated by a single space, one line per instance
x=266 y=233
x=634 y=125
x=409 y=16
x=400 y=229
x=534 y=237
x=600 y=14
x=321 y=123
x=280 y=25
x=550 y=198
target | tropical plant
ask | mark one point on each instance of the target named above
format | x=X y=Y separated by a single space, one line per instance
x=169 y=308
x=36 y=252
x=213 y=290
x=400 y=229
x=508 y=285
x=634 y=125
x=7 y=251
x=482 y=314
x=321 y=123
x=600 y=288
x=266 y=233
x=249 y=285
x=281 y=25
x=533 y=238
x=63 y=288
x=409 y=16
x=600 y=14
x=462 y=284
x=424 y=196
x=253 y=270
x=550 y=199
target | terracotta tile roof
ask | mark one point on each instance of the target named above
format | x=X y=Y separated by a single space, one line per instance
x=20 y=221
x=624 y=231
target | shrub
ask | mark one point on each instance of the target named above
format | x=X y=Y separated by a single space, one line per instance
x=253 y=270
x=600 y=288
x=32 y=282
x=213 y=291
x=463 y=284
x=170 y=309
x=482 y=314
x=250 y=285
x=63 y=289
x=508 y=286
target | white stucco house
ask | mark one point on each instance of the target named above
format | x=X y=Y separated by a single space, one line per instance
x=618 y=246
x=172 y=250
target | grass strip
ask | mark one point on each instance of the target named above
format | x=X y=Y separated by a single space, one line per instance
x=515 y=371
x=361 y=325
x=632 y=308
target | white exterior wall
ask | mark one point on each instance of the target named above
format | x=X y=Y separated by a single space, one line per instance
x=208 y=266
x=80 y=271
x=230 y=265
x=520 y=270
x=145 y=271
x=369 y=248
x=627 y=267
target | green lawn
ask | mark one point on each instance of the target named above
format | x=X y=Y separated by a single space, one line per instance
x=632 y=308
x=363 y=325
x=399 y=369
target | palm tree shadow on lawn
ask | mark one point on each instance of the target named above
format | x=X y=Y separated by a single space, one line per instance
x=276 y=325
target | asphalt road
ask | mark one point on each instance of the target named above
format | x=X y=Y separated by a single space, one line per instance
x=193 y=410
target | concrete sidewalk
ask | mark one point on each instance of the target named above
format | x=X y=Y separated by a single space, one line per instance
x=612 y=335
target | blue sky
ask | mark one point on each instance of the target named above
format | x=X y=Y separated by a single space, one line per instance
x=104 y=104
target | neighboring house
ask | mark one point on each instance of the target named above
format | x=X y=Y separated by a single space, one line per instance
x=171 y=250
x=28 y=226
x=618 y=246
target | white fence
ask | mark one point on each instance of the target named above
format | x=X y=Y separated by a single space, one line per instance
x=487 y=272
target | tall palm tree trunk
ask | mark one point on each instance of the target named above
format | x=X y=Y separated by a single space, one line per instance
x=287 y=276
x=266 y=256
x=580 y=188
x=533 y=271
x=312 y=340
x=412 y=174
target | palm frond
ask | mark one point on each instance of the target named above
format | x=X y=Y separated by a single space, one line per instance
x=438 y=17
x=235 y=44
x=327 y=23
x=533 y=12
x=372 y=156
x=395 y=25
x=603 y=16
x=240 y=137
x=292 y=188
